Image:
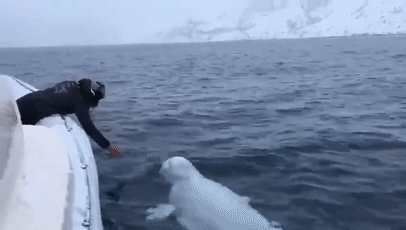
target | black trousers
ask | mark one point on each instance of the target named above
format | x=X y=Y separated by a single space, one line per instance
x=28 y=108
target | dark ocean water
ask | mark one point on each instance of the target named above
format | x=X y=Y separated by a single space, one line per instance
x=314 y=131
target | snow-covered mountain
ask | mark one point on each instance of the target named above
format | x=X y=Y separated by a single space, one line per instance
x=98 y=22
x=273 y=19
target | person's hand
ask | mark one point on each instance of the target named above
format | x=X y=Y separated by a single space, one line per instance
x=114 y=150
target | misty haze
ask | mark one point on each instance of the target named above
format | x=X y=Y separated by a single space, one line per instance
x=284 y=114
x=96 y=22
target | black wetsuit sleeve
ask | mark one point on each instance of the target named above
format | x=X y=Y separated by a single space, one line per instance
x=82 y=113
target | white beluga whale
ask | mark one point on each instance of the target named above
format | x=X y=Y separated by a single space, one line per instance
x=202 y=204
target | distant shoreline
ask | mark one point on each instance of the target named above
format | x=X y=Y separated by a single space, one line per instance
x=199 y=42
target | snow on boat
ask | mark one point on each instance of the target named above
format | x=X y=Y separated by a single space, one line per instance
x=48 y=175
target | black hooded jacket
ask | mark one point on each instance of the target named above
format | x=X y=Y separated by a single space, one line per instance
x=68 y=97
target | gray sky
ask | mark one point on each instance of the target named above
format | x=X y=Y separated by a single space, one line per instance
x=79 y=22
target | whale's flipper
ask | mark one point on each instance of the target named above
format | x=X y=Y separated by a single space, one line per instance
x=161 y=212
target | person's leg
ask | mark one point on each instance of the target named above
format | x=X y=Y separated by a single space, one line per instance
x=27 y=110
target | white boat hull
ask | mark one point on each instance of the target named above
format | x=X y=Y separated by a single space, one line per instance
x=69 y=197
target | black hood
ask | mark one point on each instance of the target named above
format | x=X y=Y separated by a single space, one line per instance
x=91 y=91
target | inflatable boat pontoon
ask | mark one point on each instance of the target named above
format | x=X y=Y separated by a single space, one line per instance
x=48 y=175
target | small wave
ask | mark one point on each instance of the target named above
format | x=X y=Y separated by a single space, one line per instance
x=28 y=74
x=300 y=69
x=384 y=69
x=293 y=111
x=399 y=56
x=7 y=65
x=372 y=134
x=339 y=171
x=349 y=52
x=377 y=144
x=299 y=188
x=374 y=200
x=165 y=122
x=216 y=141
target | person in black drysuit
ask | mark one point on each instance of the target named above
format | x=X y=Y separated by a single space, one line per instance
x=68 y=97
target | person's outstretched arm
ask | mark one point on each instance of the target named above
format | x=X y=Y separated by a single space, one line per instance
x=82 y=113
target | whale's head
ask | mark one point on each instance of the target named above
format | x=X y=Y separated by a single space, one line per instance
x=177 y=169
